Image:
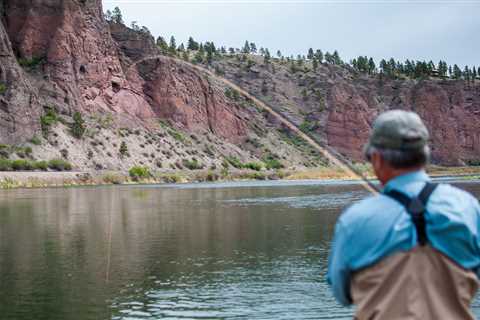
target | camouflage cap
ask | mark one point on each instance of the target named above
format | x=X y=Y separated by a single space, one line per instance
x=398 y=130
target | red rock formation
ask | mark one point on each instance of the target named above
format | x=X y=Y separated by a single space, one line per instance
x=86 y=69
x=19 y=104
x=451 y=111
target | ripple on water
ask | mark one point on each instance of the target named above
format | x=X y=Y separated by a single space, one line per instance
x=316 y=202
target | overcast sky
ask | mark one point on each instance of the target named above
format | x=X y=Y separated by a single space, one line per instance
x=423 y=30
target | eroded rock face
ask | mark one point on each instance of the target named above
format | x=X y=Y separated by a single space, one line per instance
x=19 y=104
x=451 y=111
x=84 y=68
x=178 y=92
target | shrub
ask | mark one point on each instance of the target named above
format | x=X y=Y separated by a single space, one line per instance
x=18 y=165
x=30 y=63
x=234 y=162
x=59 y=165
x=36 y=141
x=138 y=173
x=78 y=126
x=176 y=135
x=41 y=165
x=124 y=149
x=48 y=120
x=112 y=178
x=3 y=88
x=5 y=150
x=193 y=164
x=273 y=164
x=5 y=165
x=256 y=166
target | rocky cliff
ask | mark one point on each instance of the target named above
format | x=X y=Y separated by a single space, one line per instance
x=338 y=104
x=62 y=55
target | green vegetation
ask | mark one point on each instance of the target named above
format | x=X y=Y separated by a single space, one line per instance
x=232 y=94
x=256 y=166
x=234 y=162
x=78 y=126
x=3 y=88
x=273 y=164
x=115 y=16
x=49 y=119
x=59 y=165
x=32 y=63
x=30 y=165
x=124 y=149
x=35 y=140
x=174 y=133
x=308 y=126
x=138 y=173
x=474 y=163
x=193 y=164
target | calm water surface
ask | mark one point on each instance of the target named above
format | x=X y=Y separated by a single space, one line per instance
x=221 y=251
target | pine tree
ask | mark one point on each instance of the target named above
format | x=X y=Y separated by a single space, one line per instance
x=253 y=48
x=315 y=64
x=371 y=66
x=279 y=54
x=266 y=58
x=117 y=16
x=192 y=44
x=457 y=73
x=108 y=15
x=78 y=126
x=329 y=58
x=246 y=47
x=336 y=58
x=474 y=74
x=162 y=44
x=466 y=74
x=181 y=47
x=173 y=45
x=310 y=54
x=319 y=55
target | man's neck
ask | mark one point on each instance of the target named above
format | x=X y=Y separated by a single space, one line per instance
x=392 y=173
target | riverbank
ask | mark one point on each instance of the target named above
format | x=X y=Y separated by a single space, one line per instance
x=11 y=180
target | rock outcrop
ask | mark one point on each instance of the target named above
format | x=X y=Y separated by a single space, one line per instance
x=338 y=105
x=19 y=103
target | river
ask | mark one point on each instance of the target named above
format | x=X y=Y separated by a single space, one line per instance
x=255 y=250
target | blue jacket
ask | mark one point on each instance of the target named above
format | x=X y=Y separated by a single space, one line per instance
x=379 y=226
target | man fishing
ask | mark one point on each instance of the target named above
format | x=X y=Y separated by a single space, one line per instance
x=412 y=252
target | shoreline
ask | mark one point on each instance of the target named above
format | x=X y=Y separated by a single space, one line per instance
x=41 y=179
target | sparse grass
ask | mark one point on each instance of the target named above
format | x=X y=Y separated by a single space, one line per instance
x=113 y=178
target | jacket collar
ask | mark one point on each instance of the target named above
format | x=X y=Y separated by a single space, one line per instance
x=399 y=182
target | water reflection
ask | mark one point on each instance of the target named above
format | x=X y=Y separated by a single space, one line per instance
x=187 y=252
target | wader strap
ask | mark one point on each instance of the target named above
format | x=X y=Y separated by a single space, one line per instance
x=416 y=208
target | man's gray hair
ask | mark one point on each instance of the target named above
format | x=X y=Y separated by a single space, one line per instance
x=401 y=159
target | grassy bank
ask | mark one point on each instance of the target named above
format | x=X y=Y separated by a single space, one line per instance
x=11 y=180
